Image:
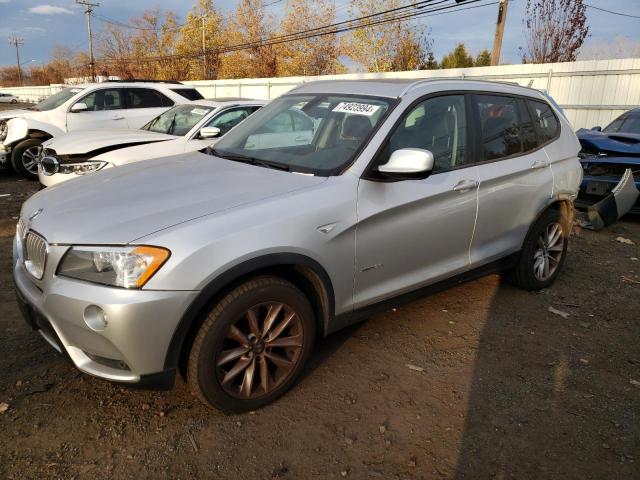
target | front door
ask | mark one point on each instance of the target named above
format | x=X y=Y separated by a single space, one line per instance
x=412 y=233
x=105 y=109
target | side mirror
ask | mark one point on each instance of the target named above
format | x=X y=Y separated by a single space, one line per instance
x=209 y=132
x=79 y=107
x=408 y=163
x=597 y=129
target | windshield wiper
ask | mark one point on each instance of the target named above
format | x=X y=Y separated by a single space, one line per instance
x=172 y=125
x=250 y=160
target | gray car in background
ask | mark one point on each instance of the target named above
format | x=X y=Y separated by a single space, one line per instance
x=334 y=201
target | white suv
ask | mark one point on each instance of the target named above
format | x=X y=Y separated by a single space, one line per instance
x=84 y=107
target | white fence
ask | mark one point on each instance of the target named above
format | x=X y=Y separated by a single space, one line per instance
x=590 y=92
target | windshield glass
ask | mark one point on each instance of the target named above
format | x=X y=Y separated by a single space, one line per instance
x=626 y=123
x=57 y=99
x=178 y=120
x=317 y=134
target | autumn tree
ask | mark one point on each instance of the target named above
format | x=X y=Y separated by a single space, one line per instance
x=201 y=37
x=310 y=56
x=115 y=51
x=249 y=24
x=554 y=30
x=483 y=59
x=458 y=58
x=386 y=46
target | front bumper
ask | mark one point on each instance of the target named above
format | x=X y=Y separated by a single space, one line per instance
x=140 y=323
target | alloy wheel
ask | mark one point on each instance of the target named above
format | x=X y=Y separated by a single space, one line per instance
x=548 y=252
x=260 y=351
x=30 y=159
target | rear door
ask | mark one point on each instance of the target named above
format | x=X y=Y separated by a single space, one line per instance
x=412 y=233
x=105 y=109
x=144 y=104
x=515 y=177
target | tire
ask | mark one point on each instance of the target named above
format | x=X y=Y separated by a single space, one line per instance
x=233 y=369
x=542 y=257
x=14 y=101
x=22 y=160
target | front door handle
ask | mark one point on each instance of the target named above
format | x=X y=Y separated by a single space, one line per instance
x=538 y=164
x=117 y=117
x=465 y=185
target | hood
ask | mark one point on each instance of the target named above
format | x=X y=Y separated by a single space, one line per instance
x=18 y=112
x=87 y=141
x=621 y=144
x=120 y=205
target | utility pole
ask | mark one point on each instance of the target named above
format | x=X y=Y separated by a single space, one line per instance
x=89 y=11
x=17 y=42
x=497 y=41
x=204 y=50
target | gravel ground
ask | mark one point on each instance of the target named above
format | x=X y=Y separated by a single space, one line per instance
x=480 y=381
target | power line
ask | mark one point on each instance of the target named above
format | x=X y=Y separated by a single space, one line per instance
x=339 y=27
x=136 y=27
x=612 y=12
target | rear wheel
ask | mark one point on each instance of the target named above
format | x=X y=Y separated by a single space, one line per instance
x=24 y=158
x=252 y=346
x=543 y=253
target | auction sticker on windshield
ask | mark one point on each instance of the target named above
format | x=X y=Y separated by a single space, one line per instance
x=356 y=108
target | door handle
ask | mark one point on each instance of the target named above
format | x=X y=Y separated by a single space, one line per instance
x=538 y=164
x=117 y=117
x=300 y=139
x=465 y=185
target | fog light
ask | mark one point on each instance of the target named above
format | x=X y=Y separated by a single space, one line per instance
x=95 y=318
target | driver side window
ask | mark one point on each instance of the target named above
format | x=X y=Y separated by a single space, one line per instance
x=438 y=125
x=229 y=119
x=104 y=99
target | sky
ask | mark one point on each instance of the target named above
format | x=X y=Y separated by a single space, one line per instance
x=45 y=23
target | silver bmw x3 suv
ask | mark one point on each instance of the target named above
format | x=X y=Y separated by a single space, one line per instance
x=335 y=200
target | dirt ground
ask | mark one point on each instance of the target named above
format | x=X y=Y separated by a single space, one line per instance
x=481 y=381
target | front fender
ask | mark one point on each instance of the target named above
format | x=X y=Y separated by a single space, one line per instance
x=19 y=128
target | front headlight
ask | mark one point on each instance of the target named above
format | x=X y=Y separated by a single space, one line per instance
x=81 y=168
x=126 y=267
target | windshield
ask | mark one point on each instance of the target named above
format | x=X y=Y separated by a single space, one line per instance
x=627 y=123
x=57 y=99
x=318 y=134
x=178 y=120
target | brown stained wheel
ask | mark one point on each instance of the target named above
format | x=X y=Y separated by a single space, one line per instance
x=260 y=350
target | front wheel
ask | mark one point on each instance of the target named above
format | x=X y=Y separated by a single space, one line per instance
x=24 y=158
x=252 y=346
x=543 y=253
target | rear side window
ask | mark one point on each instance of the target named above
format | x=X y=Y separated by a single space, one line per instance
x=146 y=98
x=188 y=93
x=545 y=121
x=500 y=126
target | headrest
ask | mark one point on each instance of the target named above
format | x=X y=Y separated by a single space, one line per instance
x=356 y=126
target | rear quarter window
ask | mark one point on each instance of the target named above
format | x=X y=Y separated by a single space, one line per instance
x=188 y=93
x=545 y=121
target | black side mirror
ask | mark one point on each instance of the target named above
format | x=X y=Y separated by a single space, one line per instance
x=597 y=129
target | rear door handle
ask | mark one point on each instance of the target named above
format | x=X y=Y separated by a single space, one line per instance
x=465 y=185
x=117 y=117
x=300 y=139
x=538 y=164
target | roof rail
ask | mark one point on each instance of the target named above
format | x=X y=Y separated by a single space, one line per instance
x=174 y=82
x=417 y=83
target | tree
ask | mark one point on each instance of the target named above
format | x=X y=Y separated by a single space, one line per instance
x=554 y=30
x=203 y=15
x=431 y=63
x=483 y=59
x=312 y=56
x=249 y=24
x=458 y=58
x=385 y=47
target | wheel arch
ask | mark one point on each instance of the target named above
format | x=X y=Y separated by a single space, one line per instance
x=304 y=272
x=561 y=203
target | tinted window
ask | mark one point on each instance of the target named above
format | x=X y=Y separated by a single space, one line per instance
x=146 y=98
x=188 y=93
x=437 y=125
x=500 y=134
x=527 y=128
x=627 y=123
x=545 y=120
x=104 y=99
x=230 y=118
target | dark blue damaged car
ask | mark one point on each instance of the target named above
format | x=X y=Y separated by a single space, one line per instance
x=606 y=154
